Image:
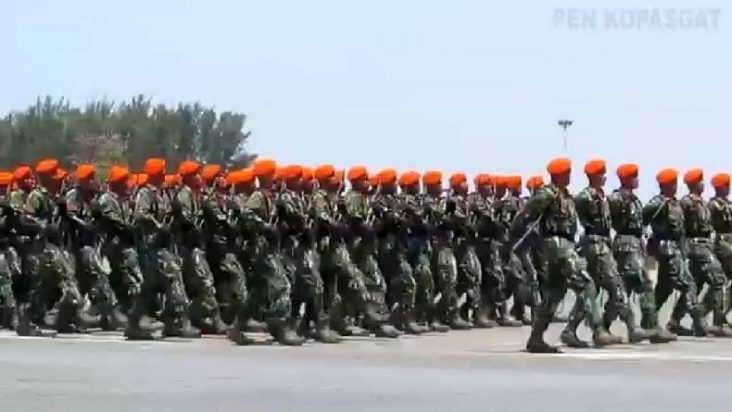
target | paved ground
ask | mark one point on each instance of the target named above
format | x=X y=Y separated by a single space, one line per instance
x=474 y=370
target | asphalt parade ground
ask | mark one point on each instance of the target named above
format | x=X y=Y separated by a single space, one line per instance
x=478 y=370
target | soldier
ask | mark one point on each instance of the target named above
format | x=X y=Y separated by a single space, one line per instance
x=629 y=253
x=9 y=260
x=115 y=221
x=720 y=209
x=419 y=251
x=92 y=268
x=506 y=209
x=529 y=252
x=270 y=289
x=703 y=264
x=493 y=283
x=302 y=260
x=552 y=210
x=187 y=228
x=593 y=210
x=358 y=217
x=666 y=217
x=392 y=238
x=161 y=267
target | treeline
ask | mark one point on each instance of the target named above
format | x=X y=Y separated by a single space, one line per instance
x=106 y=132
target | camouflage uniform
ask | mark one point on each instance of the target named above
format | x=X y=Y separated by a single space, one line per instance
x=469 y=272
x=553 y=211
x=666 y=218
x=593 y=209
x=629 y=253
x=362 y=245
x=488 y=248
x=444 y=263
x=516 y=283
x=720 y=209
x=92 y=268
x=303 y=262
x=197 y=276
x=270 y=287
x=114 y=216
x=9 y=265
x=161 y=267
x=393 y=241
x=702 y=261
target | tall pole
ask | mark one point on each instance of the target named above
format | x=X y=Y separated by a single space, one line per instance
x=564 y=123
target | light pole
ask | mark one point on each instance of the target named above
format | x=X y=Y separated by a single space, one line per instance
x=564 y=123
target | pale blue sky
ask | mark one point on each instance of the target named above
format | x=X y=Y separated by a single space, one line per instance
x=460 y=85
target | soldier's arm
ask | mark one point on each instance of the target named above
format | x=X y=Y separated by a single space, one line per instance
x=582 y=204
x=254 y=211
x=537 y=204
x=355 y=207
x=143 y=214
x=652 y=209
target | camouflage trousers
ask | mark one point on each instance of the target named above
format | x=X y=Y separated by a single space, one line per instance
x=162 y=277
x=199 y=285
x=723 y=251
x=418 y=256
x=673 y=274
x=93 y=272
x=308 y=287
x=469 y=276
x=9 y=270
x=603 y=269
x=493 y=283
x=706 y=270
x=629 y=257
x=269 y=288
x=565 y=269
x=230 y=283
x=517 y=282
x=445 y=270
x=126 y=275
x=401 y=286
x=364 y=256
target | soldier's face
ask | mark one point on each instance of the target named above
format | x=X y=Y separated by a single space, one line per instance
x=293 y=184
x=696 y=188
x=265 y=181
x=630 y=182
x=669 y=189
x=500 y=192
x=434 y=190
x=307 y=186
x=722 y=191
x=562 y=180
x=89 y=185
x=410 y=189
x=597 y=180
x=389 y=188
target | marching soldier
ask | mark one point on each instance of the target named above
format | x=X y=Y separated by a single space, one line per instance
x=720 y=209
x=9 y=260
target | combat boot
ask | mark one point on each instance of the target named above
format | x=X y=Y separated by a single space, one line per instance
x=236 y=333
x=676 y=328
x=536 y=343
x=285 y=335
x=458 y=323
x=638 y=335
x=661 y=335
x=601 y=337
x=212 y=326
x=570 y=339
x=386 y=331
x=437 y=326
x=255 y=326
x=481 y=319
x=505 y=319
x=324 y=334
x=181 y=328
x=25 y=327
x=10 y=318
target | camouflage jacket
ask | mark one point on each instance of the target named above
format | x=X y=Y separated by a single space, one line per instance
x=461 y=221
x=152 y=213
x=505 y=212
x=626 y=213
x=115 y=215
x=482 y=208
x=720 y=209
x=83 y=229
x=665 y=217
x=593 y=210
x=555 y=211
x=697 y=217
x=435 y=210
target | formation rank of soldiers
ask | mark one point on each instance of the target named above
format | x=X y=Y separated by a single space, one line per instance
x=293 y=252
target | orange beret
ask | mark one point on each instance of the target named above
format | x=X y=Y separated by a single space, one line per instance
x=559 y=166
x=188 y=168
x=118 y=174
x=432 y=177
x=501 y=182
x=22 y=172
x=324 y=172
x=85 y=172
x=693 y=176
x=60 y=174
x=264 y=167
x=458 y=179
x=307 y=173
x=484 y=179
x=720 y=180
x=595 y=167
x=209 y=172
x=410 y=178
x=534 y=182
x=142 y=179
x=667 y=176
x=374 y=180
x=172 y=180
x=627 y=170
x=240 y=176
x=339 y=175
x=387 y=176
x=47 y=166
x=358 y=173
x=6 y=178
x=292 y=172
x=513 y=182
x=155 y=166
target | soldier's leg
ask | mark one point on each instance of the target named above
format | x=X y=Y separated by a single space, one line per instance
x=517 y=287
x=377 y=312
x=445 y=270
x=401 y=288
x=348 y=294
x=175 y=316
x=199 y=285
x=532 y=282
x=723 y=251
x=9 y=270
x=311 y=285
x=468 y=280
x=425 y=294
x=96 y=269
x=676 y=272
x=492 y=285
x=554 y=288
x=706 y=269
x=271 y=271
